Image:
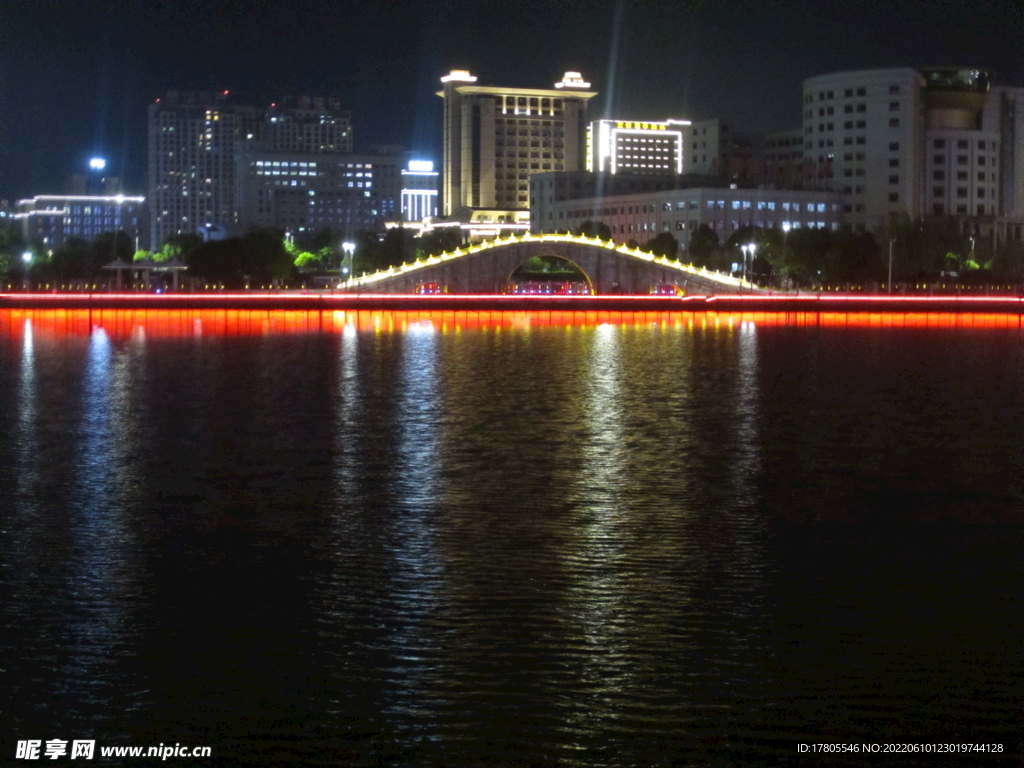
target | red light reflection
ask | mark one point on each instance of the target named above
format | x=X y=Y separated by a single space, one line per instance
x=121 y=324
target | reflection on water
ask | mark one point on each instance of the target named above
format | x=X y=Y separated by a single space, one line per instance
x=121 y=324
x=462 y=538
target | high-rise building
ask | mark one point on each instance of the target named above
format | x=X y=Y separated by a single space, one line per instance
x=494 y=138
x=933 y=141
x=194 y=140
x=635 y=146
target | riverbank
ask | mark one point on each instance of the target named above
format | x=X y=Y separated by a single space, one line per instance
x=313 y=300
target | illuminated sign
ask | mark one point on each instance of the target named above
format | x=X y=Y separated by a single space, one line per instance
x=637 y=126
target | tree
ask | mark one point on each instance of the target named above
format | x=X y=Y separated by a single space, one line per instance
x=367 y=256
x=396 y=247
x=806 y=255
x=663 y=244
x=12 y=245
x=597 y=229
x=71 y=261
x=107 y=247
x=438 y=241
x=854 y=257
x=264 y=256
x=260 y=255
x=178 y=246
x=703 y=246
x=1008 y=262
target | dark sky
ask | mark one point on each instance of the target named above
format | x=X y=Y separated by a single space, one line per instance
x=76 y=75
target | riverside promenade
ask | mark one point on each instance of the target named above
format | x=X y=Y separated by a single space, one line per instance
x=326 y=300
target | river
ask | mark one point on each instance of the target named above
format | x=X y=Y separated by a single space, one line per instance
x=452 y=538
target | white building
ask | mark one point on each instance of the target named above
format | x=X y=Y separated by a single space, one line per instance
x=559 y=206
x=636 y=146
x=419 y=190
x=921 y=142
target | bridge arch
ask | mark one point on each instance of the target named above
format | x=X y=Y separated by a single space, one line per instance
x=572 y=280
x=485 y=267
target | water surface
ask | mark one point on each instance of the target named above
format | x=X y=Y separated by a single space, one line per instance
x=574 y=539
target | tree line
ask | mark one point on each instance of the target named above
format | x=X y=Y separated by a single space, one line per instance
x=259 y=257
x=922 y=250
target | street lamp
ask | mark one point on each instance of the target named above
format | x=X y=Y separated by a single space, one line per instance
x=26 y=257
x=348 y=248
x=748 y=249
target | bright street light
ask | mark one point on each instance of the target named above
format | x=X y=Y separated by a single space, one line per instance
x=27 y=257
x=748 y=249
x=349 y=248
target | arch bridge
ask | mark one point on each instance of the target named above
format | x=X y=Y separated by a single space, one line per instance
x=488 y=267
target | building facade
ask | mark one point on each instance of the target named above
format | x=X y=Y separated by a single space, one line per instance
x=194 y=140
x=560 y=206
x=920 y=142
x=495 y=138
x=636 y=146
x=52 y=219
x=302 y=192
x=419 y=190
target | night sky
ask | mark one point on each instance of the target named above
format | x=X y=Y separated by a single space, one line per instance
x=76 y=75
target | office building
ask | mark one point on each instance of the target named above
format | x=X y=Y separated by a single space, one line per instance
x=302 y=192
x=935 y=141
x=194 y=140
x=495 y=138
x=560 y=205
x=419 y=191
x=636 y=146
x=52 y=219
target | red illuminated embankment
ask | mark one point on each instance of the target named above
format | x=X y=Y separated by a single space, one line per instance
x=125 y=324
x=475 y=302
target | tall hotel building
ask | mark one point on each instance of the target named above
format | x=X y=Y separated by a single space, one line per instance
x=938 y=141
x=194 y=141
x=495 y=138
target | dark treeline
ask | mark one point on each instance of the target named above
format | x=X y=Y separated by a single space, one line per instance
x=923 y=250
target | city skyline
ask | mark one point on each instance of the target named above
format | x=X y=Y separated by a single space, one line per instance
x=78 y=87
